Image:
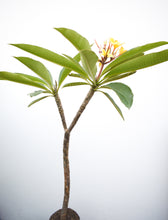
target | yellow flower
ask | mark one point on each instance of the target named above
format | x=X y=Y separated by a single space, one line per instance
x=122 y=50
x=106 y=53
x=110 y=50
x=115 y=43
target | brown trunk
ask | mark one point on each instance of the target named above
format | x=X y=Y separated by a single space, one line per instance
x=65 y=154
x=66 y=175
x=65 y=213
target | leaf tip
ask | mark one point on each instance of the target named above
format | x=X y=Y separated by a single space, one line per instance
x=129 y=107
x=12 y=44
x=57 y=29
x=29 y=105
x=15 y=57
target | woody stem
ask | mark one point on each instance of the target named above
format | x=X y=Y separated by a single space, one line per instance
x=66 y=175
x=81 y=109
x=101 y=69
x=60 y=108
x=66 y=154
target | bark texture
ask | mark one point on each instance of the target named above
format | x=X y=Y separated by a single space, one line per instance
x=81 y=109
x=66 y=175
x=65 y=213
x=60 y=109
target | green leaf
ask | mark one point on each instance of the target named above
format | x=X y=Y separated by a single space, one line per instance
x=38 y=68
x=114 y=104
x=35 y=93
x=130 y=54
x=139 y=63
x=50 y=56
x=37 y=100
x=65 y=72
x=123 y=91
x=76 y=75
x=75 y=38
x=23 y=79
x=84 y=74
x=113 y=78
x=33 y=78
x=89 y=60
x=75 y=84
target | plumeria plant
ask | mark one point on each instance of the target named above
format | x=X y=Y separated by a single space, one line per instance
x=99 y=72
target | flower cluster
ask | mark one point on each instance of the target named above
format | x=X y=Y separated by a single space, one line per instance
x=110 y=50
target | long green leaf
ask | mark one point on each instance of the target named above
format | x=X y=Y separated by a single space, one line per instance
x=50 y=56
x=35 y=93
x=137 y=51
x=76 y=75
x=84 y=74
x=23 y=79
x=37 y=100
x=65 y=72
x=121 y=76
x=75 y=38
x=139 y=63
x=38 y=68
x=75 y=84
x=33 y=78
x=89 y=60
x=123 y=91
x=114 y=104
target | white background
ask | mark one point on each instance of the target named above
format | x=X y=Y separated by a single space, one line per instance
x=118 y=168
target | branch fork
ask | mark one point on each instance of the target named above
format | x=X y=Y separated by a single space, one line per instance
x=64 y=212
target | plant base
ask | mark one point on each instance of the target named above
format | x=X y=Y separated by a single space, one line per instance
x=71 y=215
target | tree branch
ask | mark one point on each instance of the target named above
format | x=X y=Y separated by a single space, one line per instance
x=60 y=108
x=81 y=109
x=64 y=210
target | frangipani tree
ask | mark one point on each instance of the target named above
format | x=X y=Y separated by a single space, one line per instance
x=96 y=71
